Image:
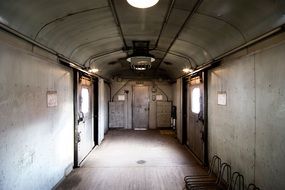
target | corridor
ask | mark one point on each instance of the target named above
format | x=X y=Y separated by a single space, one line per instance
x=129 y=159
x=91 y=92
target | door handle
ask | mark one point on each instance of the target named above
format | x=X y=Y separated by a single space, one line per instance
x=80 y=117
x=202 y=136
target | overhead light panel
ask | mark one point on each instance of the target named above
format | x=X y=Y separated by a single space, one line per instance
x=142 y=4
x=187 y=70
x=93 y=70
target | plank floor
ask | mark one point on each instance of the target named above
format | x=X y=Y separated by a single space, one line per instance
x=134 y=160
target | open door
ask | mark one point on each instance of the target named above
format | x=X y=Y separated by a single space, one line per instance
x=140 y=107
x=84 y=123
x=196 y=133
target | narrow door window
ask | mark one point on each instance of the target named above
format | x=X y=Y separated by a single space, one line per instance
x=195 y=100
x=84 y=100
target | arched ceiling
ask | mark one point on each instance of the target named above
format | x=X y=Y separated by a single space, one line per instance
x=182 y=33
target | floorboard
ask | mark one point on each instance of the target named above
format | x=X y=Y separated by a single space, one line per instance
x=134 y=160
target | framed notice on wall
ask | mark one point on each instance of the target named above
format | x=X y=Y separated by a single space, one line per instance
x=51 y=98
x=222 y=98
x=159 y=97
x=121 y=97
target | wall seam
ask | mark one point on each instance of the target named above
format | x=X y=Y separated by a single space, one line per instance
x=254 y=152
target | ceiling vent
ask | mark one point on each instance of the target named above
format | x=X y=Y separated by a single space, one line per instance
x=141 y=59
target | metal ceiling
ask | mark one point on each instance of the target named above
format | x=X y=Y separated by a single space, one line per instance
x=182 y=33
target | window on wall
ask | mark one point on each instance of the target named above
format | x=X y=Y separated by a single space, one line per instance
x=195 y=100
x=84 y=100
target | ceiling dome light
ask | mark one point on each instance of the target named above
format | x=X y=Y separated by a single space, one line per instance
x=142 y=4
x=140 y=63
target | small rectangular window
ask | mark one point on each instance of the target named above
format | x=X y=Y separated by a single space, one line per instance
x=195 y=100
x=84 y=100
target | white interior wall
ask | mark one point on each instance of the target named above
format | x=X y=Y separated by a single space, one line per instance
x=249 y=131
x=36 y=141
x=106 y=106
x=102 y=110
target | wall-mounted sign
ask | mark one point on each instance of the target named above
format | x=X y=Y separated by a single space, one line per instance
x=222 y=98
x=121 y=97
x=159 y=97
x=51 y=98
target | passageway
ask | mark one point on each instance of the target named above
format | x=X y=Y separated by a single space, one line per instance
x=141 y=160
x=87 y=87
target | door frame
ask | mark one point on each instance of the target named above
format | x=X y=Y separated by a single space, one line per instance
x=186 y=92
x=75 y=109
x=133 y=94
x=76 y=80
x=184 y=109
x=96 y=110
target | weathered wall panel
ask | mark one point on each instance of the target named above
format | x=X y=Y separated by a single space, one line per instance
x=249 y=131
x=117 y=114
x=231 y=127
x=106 y=110
x=270 y=118
x=163 y=114
x=104 y=97
x=36 y=141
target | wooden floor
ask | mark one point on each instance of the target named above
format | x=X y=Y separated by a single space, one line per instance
x=134 y=160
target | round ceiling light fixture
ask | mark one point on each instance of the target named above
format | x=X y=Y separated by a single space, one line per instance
x=142 y=4
x=140 y=63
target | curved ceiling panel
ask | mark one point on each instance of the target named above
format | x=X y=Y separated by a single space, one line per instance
x=198 y=53
x=253 y=18
x=141 y=22
x=176 y=19
x=99 y=29
x=95 y=48
x=29 y=16
x=211 y=34
x=141 y=37
x=103 y=63
x=65 y=35
x=174 y=65
x=158 y=53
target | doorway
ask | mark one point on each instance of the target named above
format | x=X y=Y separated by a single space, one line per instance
x=196 y=114
x=140 y=107
x=84 y=118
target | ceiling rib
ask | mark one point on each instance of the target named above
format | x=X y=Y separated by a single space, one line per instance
x=115 y=14
x=225 y=21
x=68 y=15
x=264 y=36
x=100 y=55
x=191 y=61
x=90 y=42
x=253 y=41
x=196 y=6
x=166 y=17
x=197 y=45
